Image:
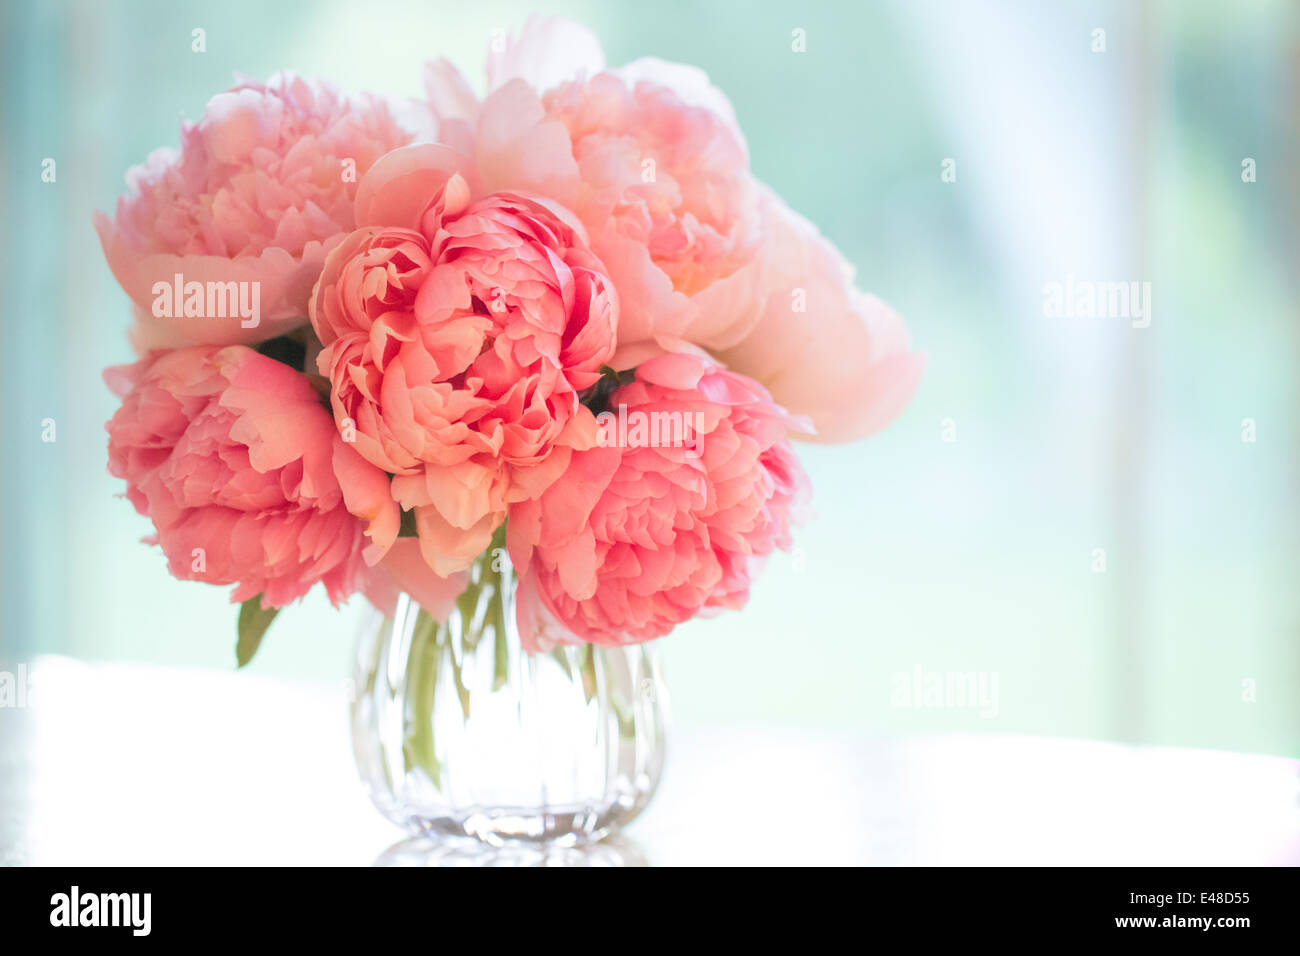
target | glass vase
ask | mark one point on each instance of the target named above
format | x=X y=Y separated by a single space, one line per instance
x=458 y=732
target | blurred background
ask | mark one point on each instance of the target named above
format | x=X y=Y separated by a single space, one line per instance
x=1100 y=520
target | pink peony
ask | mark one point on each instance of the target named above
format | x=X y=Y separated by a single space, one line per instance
x=458 y=334
x=237 y=463
x=260 y=189
x=638 y=537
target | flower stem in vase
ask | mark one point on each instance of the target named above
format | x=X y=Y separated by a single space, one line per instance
x=422 y=678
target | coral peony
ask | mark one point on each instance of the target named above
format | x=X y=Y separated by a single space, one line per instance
x=260 y=189
x=237 y=463
x=644 y=533
x=458 y=335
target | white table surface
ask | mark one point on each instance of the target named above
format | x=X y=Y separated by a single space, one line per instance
x=114 y=764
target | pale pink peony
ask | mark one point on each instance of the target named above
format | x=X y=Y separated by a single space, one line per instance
x=821 y=346
x=662 y=185
x=664 y=189
x=636 y=538
x=260 y=189
x=231 y=452
x=547 y=52
x=458 y=335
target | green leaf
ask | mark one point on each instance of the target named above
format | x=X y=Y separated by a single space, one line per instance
x=498 y=542
x=285 y=349
x=597 y=396
x=407 y=528
x=253 y=622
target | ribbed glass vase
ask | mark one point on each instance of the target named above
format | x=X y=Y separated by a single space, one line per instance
x=459 y=733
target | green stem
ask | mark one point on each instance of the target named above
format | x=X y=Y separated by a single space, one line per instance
x=480 y=608
x=461 y=691
x=422 y=679
x=589 y=686
x=501 y=652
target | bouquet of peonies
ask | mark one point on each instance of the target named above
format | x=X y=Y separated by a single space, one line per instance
x=563 y=317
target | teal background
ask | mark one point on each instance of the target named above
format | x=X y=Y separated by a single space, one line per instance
x=968 y=555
